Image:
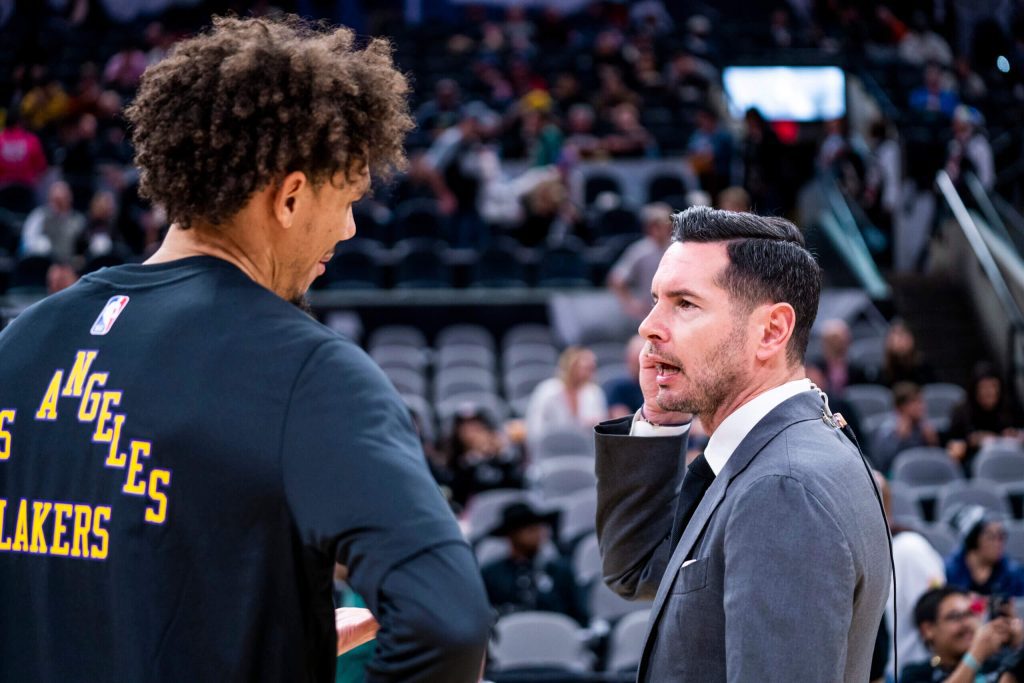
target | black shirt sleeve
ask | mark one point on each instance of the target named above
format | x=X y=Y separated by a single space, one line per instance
x=359 y=489
x=434 y=619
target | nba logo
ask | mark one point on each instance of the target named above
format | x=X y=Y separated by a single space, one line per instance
x=109 y=315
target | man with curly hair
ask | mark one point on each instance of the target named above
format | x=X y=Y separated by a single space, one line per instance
x=183 y=453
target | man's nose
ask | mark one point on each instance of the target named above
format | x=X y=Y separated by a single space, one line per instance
x=652 y=327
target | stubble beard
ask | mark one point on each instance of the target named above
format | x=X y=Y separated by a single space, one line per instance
x=712 y=382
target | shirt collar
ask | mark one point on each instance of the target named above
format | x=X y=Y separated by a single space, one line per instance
x=737 y=425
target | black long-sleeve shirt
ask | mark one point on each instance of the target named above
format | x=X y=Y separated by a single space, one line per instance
x=183 y=457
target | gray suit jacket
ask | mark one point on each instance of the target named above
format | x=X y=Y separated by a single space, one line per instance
x=783 y=571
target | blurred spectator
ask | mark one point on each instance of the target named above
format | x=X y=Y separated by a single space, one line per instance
x=906 y=427
x=60 y=276
x=612 y=92
x=734 y=198
x=934 y=96
x=901 y=360
x=835 y=147
x=528 y=579
x=480 y=457
x=623 y=393
x=918 y=569
x=443 y=111
x=630 y=277
x=124 y=69
x=52 y=229
x=455 y=166
x=22 y=161
x=541 y=135
x=839 y=371
x=100 y=232
x=922 y=45
x=969 y=150
x=980 y=565
x=651 y=18
x=570 y=400
x=548 y=213
x=580 y=139
x=972 y=86
x=982 y=417
x=628 y=136
x=690 y=78
x=44 y=104
x=952 y=629
x=159 y=42
x=884 y=176
x=762 y=162
x=80 y=157
x=710 y=152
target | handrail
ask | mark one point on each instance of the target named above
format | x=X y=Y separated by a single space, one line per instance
x=981 y=250
x=988 y=209
x=841 y=227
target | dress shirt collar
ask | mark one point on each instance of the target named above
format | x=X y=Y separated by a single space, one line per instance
x=737 y=425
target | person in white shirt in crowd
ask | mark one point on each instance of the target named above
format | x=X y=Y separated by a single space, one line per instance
x=52 y=229
x=569 y=400
x=969 y=150
x=630 y=277
x=919 y=568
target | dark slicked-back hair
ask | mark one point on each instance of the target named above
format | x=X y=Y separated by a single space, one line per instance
x=768 y=263
x=926 y=611
x=251 y=100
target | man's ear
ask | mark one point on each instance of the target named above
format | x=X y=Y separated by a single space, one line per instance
x=777 y=322
x=287 y=196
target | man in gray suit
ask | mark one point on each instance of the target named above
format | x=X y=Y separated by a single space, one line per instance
x=768 y=560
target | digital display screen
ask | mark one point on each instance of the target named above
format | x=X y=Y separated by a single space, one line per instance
x=787 y=93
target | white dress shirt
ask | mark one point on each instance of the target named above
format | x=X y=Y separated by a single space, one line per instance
x=734 y=428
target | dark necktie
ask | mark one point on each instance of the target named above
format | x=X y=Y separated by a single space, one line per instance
x=696 y=481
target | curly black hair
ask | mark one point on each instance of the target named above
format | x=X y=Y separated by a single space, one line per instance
x=250 y=100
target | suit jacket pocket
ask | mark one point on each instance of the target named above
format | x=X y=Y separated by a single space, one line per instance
x=692 y=577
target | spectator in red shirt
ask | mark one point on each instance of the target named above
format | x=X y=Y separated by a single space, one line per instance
x=22 y=161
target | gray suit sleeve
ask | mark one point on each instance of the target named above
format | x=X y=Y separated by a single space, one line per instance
x=637 y=478
x=789 y=582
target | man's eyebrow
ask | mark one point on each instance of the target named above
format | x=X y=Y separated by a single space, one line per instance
x=682 y=294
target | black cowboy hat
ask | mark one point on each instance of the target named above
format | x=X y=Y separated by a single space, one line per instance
x=519 y=515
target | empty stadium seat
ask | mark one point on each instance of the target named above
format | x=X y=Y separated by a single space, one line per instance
x=959 y=493
x=397 y=335
x=1015 y=539
x=627 y=642
x=925 y=470
x=527 y=333
x=563 y=475
x=532 y=353
x=586 y=560
x=462 y=380
x=483 y=511
x=393 y=356
x=940 y=398
x=562 y=267
x=579 y=512
x=606 y=605
x=465 y=356
x=557 y=442
x=465 y=335
x=869 y=399
x=538 y=640
x=407 y=381
x=999 y=462
x=941 y=538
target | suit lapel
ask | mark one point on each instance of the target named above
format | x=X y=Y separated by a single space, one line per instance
x=804 y=406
